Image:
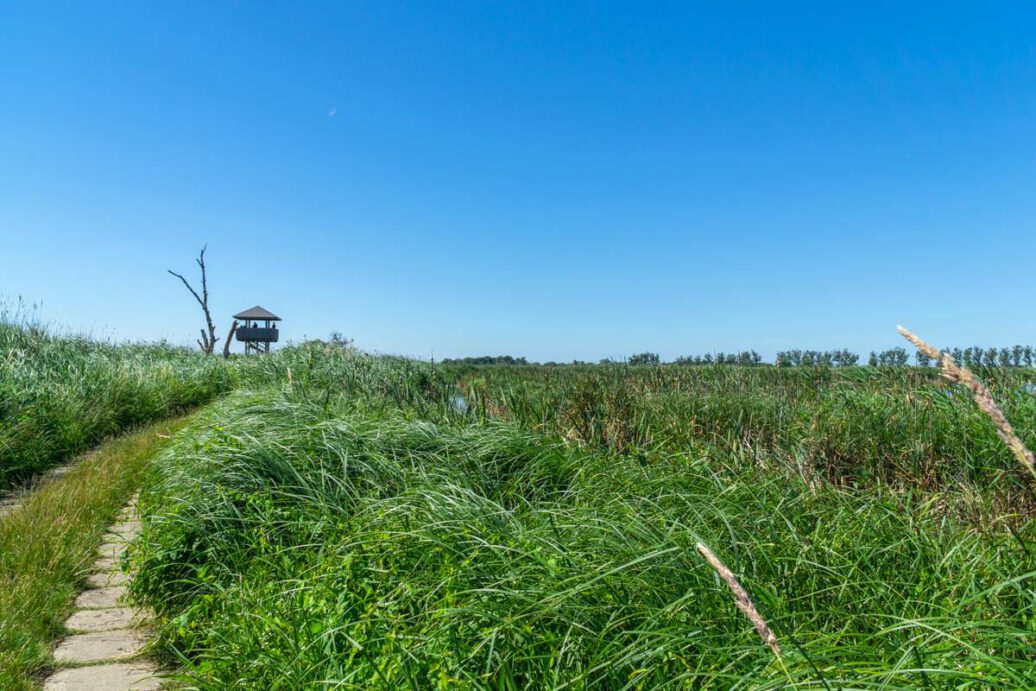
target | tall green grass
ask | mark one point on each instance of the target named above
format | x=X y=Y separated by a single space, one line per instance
x=347 y=528
x=60 y=395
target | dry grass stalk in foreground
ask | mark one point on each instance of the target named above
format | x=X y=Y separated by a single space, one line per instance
x=960 y=375
x=741 y=599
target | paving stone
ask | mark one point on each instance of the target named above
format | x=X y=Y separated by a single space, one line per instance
x=135 y=676
x=126 y=537
x=106 y=579
x=126 y=528
x=106 y=564
x=100 y=598
x=83 y=648
x=111 y=550
x=102 y=619
x=107 y=635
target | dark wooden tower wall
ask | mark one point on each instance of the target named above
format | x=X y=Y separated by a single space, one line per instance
x=258 y=329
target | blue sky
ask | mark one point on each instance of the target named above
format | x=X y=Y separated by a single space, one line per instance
x=552 y=180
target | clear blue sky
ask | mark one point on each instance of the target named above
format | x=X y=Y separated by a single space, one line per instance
x=554 y=180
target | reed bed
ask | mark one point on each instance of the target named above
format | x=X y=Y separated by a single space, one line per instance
x=60 y=395
x=854 y=427
x=346 y=525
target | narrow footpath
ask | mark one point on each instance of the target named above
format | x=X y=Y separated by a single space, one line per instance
x=104 y=652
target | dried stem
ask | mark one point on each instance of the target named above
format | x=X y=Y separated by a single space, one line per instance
x=230 y=336
x=741 y=599
x=960 y=375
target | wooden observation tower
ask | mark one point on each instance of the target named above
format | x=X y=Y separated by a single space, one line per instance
x=258 y=329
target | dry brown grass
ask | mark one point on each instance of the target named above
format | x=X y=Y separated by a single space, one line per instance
x=741 y=599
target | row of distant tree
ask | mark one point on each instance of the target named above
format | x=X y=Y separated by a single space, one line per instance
x=486 y=360
x=894 y=357
x=835 y=358
x=745 y=357
x=975 y=356
x=1016 y=356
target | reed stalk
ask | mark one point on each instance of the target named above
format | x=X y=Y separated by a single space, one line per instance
x=961 y=375
x=741 y=599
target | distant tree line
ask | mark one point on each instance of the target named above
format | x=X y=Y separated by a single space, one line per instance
x=976 y=356
x=644 y=359
x=1017 y=356
x=893 y=357
x=486 y=360
x=745 y=358
x=817 y=358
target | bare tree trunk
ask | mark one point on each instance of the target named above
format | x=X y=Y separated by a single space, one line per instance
x=226 y=346
x=208 y=340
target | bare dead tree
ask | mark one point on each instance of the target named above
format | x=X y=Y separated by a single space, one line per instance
x=226 y=346
x=207 y=342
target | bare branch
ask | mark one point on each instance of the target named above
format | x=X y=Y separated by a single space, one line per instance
x=204 y=282
x=188 y=285
x=208 y=340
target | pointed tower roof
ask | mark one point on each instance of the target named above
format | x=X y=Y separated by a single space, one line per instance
x=258 y=313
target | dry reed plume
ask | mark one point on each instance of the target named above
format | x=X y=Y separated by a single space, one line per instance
x=960 y=375
x=741 y=599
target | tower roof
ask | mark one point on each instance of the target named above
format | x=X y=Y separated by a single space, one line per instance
x=259 y=313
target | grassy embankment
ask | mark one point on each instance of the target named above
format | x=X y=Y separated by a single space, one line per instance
x=61 y=395
x=349 y=527
x=47 y=546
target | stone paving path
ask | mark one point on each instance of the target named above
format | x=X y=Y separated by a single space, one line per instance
x=104 y=650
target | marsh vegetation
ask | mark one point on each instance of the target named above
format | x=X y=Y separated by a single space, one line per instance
x=341 y=519
x=349 y=522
